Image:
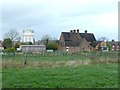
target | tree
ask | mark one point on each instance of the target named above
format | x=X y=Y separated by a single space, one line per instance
x=103 y=39
x=7 y=43
x=46 y=39
x=109 y=46
x=13 y=35
x=30 y=43
x=52 y=46
x=17 y=45
x=51 y=43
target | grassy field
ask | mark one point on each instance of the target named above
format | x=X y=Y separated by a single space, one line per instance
x=60 y=71
x=88 y=76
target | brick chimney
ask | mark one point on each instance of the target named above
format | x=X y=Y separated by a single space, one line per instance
x=78 y=35
x=71 y=34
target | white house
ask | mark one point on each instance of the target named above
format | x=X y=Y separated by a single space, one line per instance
x=28 y=35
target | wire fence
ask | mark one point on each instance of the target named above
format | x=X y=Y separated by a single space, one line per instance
x=96 y=57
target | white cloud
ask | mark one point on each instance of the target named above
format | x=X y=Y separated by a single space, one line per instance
x=58 y=15
x=107 y=19
x=62 y=3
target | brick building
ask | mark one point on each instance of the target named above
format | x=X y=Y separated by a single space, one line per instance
x=74 y=41
x=99 y=45
x=115 y=45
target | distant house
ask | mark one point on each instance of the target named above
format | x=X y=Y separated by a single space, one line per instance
x=99 y=45
x=32 y=48
x=115 y=45
x=74 y=41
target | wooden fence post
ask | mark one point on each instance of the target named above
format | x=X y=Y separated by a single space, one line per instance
x=25 y=59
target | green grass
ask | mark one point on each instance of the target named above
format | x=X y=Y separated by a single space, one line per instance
x=61 y=56
x=60 y=70
x=84 y=76
x=46 y=57
x=58 y=59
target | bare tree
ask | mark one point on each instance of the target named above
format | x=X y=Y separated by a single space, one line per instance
x=103 y=39
x=13 y=35
x=45 y=39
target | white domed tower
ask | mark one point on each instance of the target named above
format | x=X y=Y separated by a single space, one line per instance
x=28 y=35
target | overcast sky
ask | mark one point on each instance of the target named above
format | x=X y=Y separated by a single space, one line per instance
x=55 y=16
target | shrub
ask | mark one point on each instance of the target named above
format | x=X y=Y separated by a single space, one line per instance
x=52 y=46
x=7 y=43
x=9 y=50
x=17 y=45
x=30 y=43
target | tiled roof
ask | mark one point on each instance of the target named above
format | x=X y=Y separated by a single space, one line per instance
x=74 y=42
x=95 y=43
x=89 y=36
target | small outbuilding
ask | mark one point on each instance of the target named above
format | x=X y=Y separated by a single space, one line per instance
x=32 y=48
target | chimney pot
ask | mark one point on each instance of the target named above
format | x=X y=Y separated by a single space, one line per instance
x=85 y=31
x=74 y=31
x=77 y=30
x=113 y=40
x=71 y=31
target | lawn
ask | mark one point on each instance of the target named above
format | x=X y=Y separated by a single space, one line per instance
x=84 y=76
x=60 y=70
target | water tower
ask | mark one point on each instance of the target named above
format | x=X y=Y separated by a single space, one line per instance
x=28 y=35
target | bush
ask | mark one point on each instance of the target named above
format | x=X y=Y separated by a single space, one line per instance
x=9 y=50
x=30 y=43
x=17 y=45
x=52 y=46
x=7 y=43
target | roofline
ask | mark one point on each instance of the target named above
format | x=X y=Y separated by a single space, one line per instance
x=32 y=45
x=79 y=33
